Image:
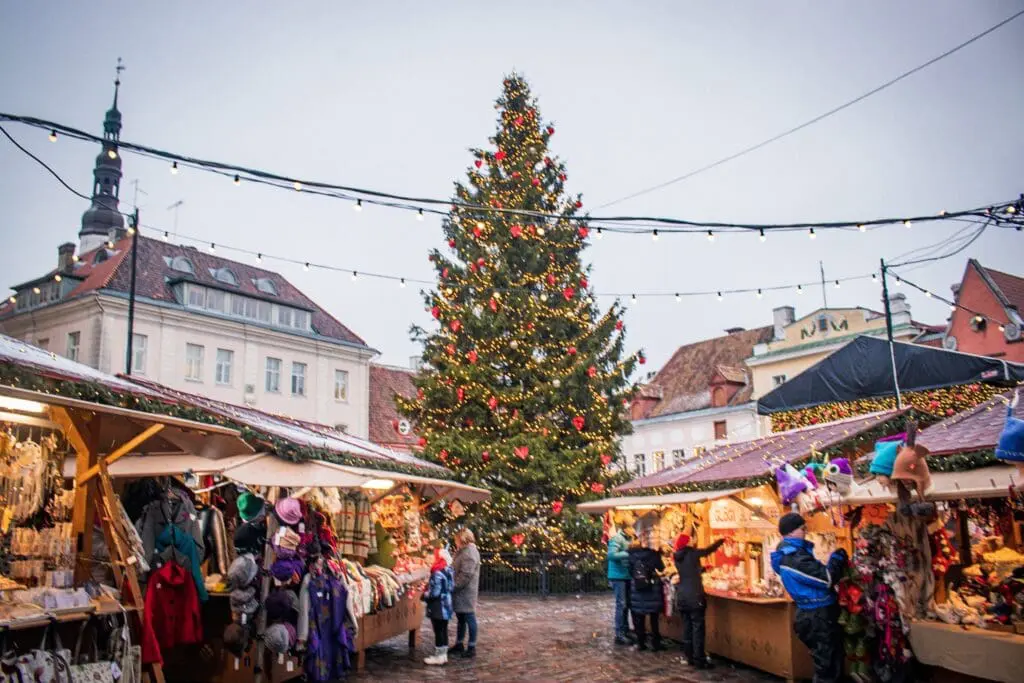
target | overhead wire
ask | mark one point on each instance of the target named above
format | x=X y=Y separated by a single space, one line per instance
x=816 y=119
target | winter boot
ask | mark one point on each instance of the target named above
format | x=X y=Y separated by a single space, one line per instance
x=470 y=652
x=440 y=657
x=457 y=649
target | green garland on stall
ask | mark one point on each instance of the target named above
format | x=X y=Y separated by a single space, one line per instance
x=868 y=437
x=19 y=377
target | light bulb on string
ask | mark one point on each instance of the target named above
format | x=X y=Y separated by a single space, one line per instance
x=862 y=227
x=355 y=276
x=719 y=296
x=174 y=168
x=358 y=206
x=874 y=277
x=928 y=294
x=761 y=234
x=112 y=153
x=799 y=289
x=678 y=298
x=711 y=236
x=837 y=284
x=401 y=283
x=237 y=180
x=259 y=258
x=906 y=224
x=419 y=215
x=599 y=234
x=305 y=266
x=166 y=235
x=53 y=136
x=213 y=247
x=633 y=298
x=952 y=308
x=759 y=294
x=811 y=233
x=654 y=235
x=298 y=186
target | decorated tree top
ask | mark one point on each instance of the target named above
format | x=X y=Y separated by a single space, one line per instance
x=524 y=380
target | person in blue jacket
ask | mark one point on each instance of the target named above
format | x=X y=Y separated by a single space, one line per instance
x=618 y=577
x=811 y=584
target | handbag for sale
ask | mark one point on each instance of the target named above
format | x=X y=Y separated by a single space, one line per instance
x=95 y=671
x=46 y=665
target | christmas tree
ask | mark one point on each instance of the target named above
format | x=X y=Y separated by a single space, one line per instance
x=524 y=383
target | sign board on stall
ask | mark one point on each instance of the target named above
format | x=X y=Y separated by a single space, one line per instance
x=728 y=514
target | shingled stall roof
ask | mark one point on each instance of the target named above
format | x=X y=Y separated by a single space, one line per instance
x=749 y=463
x=28 y=367
x=863 y=369
x=969 y=431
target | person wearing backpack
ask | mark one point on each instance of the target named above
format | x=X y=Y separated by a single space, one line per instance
x=647 y=599
x=691 y=601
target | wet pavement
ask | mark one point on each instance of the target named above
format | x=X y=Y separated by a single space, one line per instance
x=536 y=639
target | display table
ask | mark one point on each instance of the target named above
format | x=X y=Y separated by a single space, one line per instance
x=757 y=632
x=992 y=655
x=405 y=617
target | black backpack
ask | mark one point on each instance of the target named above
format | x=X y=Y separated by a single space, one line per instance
x=643 y=574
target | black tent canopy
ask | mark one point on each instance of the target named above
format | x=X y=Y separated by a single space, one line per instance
x=863 y=369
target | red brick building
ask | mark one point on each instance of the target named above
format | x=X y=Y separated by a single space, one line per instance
x=387 y=427
x=992 y=324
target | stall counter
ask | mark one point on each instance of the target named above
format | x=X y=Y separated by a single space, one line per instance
x=757 y=632
x=991 y=655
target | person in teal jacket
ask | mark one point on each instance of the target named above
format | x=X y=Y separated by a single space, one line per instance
x=618 y=577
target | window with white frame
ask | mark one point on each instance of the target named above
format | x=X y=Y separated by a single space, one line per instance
x=298 y=379
x=678 y=456
x=659 y=461
x=74 y=344
x=778 y=380
x=194 y=362
x=640 y=464
x=341 y=385
x=140 y=347
x=273 y=380
x=225 y=362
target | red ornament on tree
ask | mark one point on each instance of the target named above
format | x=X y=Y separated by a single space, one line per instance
x=578 y=422
x=485 y=456
x=562 y=177
x=436 y=312
x=444 y=273
x=641 y=358
x=451 y=243
x=583 y=231
x=571 y=350
x=518 y=539
x=420 y=394
x=551 y=130
x=478 y=163
x=472 y=356
x=500 y=155
x=547 y=161
x=606 y=459
x=535 y=182
x=579 y=204
x=597 y=487
x=492 y=403
x=421 y=442
x=516 y=174
x=455 y=325
x=443 y=455
x=591 y=371
x=618 y=324
x=568 y=293
x=516 y=230
x=450 y=349
x=493 y=305
x=583 y=283
x=518 y=120
x=556 y=507
x=460 y=393
x=550 y=279
x=522 y=452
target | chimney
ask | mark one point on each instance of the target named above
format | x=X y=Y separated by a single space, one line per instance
x=783 y=316
x=899 y=308
x=65 y=257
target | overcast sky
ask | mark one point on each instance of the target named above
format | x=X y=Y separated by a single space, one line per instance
x=390 y=95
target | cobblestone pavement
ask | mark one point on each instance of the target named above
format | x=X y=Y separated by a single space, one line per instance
x=535 y=639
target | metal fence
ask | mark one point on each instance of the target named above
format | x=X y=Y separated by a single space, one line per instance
x=541 y=574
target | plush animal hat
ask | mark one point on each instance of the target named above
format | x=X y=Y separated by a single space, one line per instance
x=839 y=475
x=884 y=460
x=911 y=466
x=790 y=483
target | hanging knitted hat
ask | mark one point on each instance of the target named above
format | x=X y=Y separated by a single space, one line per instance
x=236 y=639
x=282 y=605
x=1011 y=440
x=884 y=459
x=277 y=638
x=910 y=465
x=839 y=475
x=242 y=571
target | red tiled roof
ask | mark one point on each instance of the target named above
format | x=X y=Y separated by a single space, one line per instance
x=155 y=275
x=1011 y=288
x=684 y=378
x=757 y=457
x=975 y=429
x=386 y=383
x=731 y=373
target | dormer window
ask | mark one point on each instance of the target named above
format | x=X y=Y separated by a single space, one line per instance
x=182 y=265
x=226 y=276
x=266 y=285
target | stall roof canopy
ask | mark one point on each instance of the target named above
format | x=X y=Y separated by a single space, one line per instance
x=984 y=482
x=863 y=369
x=976 y=429
x=750 y=459
x=599 y=507
x=28 y=367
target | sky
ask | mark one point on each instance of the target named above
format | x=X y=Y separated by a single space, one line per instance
x=390 y=96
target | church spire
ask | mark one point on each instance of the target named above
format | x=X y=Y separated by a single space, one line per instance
x=102 y=221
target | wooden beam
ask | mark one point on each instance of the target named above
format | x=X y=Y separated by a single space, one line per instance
x=441 y=493
x=120 y=452
x=83 y=440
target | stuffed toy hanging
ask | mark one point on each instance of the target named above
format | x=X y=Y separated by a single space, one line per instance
x=812 y=474
x=839 y=475
x=790 y=484
x=910 y=466
x=1011 y=441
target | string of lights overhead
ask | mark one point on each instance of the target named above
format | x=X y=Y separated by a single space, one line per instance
x=1005 y=212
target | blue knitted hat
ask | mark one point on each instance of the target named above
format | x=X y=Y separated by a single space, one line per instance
x=885 y=457
x=1011 y=441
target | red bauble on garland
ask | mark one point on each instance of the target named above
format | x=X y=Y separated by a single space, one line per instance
x=485 y=456
x=477 y=231
x=597 y=487
x=450 y=349
x=618 y=324
x=583 y=283
x=550 y=279
x=516 y=174
x=420 y=394
x=421 y=442
x=518 y=120
x=551 y=130
x=478 y=163
x=579 y=204
x=443 y=455
x=493 y=304
x=535 y=182
x=444 y=273
x=460 y=393
x=451 y=243
x=516 y=230
x=518 y=539
x=641 y=358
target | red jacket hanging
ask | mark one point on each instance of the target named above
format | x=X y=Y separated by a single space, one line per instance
x=172 y=608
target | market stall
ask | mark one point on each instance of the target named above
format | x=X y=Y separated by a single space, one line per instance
x=942 y=581
x=731 y=494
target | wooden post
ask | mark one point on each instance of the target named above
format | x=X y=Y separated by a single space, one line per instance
x=121 y=451
x=83 y=438
x=965 y=537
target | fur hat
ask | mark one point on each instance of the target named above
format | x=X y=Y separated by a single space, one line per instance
x=243 y=600
x=278 y=638
x=242 y=571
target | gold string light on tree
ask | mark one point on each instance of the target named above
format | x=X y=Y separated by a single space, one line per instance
x=524 y=379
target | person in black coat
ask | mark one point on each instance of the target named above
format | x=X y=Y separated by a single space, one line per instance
x=691 y=602
x=646 y=598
